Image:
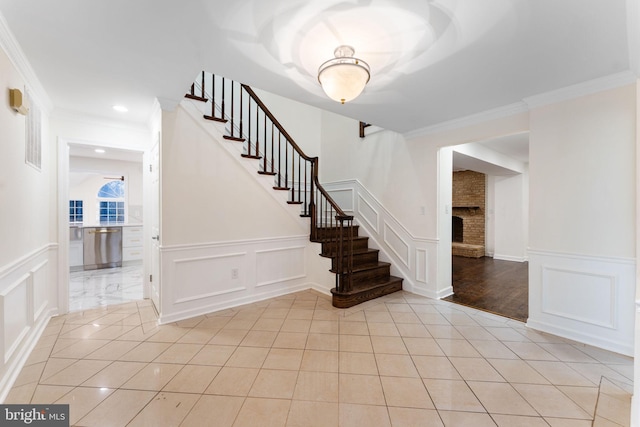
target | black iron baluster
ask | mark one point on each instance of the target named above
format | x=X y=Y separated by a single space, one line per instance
x=223 y=110
x=249 y=136
x=233 y=128
x=241 y=108
x=213 y=95
x=202 y=87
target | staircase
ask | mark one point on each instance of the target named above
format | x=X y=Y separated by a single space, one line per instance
x=360 y=276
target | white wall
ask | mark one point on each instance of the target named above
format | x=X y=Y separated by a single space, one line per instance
x=77 y=127
x=582 y=218
x=28 y=250
x=302 y=122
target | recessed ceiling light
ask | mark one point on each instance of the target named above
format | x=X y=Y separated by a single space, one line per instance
x=120 y=108
x=99 y=150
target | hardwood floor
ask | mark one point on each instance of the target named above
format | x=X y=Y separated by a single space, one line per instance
x=500 y=287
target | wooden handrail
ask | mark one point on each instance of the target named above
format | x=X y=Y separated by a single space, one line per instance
x=276 y=122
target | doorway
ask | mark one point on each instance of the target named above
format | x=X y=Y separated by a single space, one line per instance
x=101 y=194
x=488 y=223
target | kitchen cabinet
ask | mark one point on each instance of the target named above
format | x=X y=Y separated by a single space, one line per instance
x=132 y=243
x=76 y=258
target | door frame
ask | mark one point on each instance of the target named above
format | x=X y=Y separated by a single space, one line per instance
x=63 y=216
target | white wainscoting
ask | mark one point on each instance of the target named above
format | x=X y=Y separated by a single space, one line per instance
x=412 y=258
x=27 y=287
x=203 y=278
x=584 y=298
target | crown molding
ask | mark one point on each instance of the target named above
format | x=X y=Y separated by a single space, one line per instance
x=582 y=89
x=473 y=119
x=10 y=45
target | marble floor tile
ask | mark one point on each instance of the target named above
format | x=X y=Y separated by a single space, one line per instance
x=109 y=286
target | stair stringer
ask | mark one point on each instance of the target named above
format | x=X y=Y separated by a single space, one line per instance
x=320 y=266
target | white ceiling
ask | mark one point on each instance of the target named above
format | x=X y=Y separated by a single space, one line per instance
x=431 y=60
x=110 y=153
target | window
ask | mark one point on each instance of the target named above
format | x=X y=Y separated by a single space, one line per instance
x=111 y=212
x=111 y=202
x=112 y=190
x=75 y=211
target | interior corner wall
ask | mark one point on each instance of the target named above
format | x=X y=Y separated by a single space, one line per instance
x=28 y=249
x=226 y=240
x=583 y=218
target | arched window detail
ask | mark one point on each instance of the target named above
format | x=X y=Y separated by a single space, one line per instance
x=112 y=190
x=111 y=203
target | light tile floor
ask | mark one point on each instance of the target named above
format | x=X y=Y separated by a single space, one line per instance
x=400 y=360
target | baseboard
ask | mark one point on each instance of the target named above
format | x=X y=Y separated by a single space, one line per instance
x=509 y=258
x=574 y=335
x=237 y=302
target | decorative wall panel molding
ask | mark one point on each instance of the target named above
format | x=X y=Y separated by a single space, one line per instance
x=368 y=214
x=290 y=260
x=344 y=197
x=584 y=298
x=27 y=287
x=412 y=258
x=422 y=265
x=397 y=244
x=592 y=296
x=208 y=276
x=203 y=278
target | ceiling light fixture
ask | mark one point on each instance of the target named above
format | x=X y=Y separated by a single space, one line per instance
x=99 y=151
x=120 y=108
x=344 y=77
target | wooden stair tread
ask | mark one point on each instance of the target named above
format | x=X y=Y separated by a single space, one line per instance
x=357 y=288
x=215 y=119
x=361 y=251
x=363 y=292
x=330 y=240
x=233 y=138
x=196 y=97
x=363 y=268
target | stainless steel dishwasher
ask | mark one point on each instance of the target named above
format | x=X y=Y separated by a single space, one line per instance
x=102 y=247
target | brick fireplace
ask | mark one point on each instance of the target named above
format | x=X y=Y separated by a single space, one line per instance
x=468 y=214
